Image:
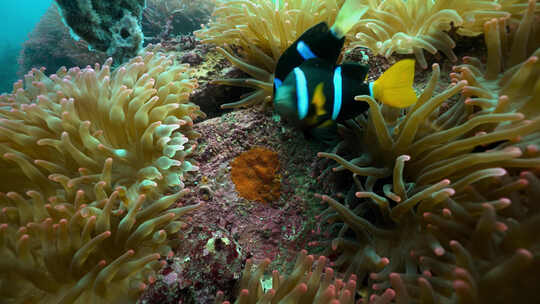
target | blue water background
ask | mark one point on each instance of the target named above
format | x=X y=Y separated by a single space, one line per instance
x=17 y=20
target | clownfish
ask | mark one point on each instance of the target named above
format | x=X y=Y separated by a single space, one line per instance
x=314 y=93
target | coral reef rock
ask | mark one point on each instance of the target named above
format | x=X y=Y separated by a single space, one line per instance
x=112 y=26
x=51 y=45
x=262 y=230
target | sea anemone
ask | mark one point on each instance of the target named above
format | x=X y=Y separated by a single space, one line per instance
x=87 y=156
x=262 y=83
x=71 y=126
x=447 y=199
x=410 y=27
x=302 y=285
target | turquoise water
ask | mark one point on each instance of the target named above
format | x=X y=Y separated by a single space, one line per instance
x=17 y=20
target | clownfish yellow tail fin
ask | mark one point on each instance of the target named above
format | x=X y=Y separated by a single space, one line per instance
x=394 y=87
x=348 y=16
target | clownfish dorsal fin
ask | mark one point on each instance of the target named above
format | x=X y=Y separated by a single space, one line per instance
x=348 y=16
x=394 y=87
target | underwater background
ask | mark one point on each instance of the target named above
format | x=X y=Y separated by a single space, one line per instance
x=18 y=20
x=143 y=158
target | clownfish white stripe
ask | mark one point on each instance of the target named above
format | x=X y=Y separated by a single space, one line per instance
x=338 y=91
x=277 y=83
x=304 y=50
x=301 y=93
x=371 y=89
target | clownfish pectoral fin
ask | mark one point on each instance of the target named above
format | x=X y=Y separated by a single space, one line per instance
x=394 y=87
x=319 y=100
x=348 y=16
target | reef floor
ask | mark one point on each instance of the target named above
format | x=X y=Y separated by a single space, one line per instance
x=228 y=229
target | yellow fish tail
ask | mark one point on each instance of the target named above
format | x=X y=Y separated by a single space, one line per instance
x=348 y=16
x=394 y=87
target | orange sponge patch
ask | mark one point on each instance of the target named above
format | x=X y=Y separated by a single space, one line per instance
x=255 y=174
